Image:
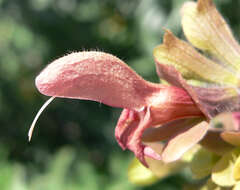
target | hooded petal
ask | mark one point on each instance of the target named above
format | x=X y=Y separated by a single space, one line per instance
x=191 y=64
x=205 y=28
x=183 y=141
x=99 y=77
x=95 y=76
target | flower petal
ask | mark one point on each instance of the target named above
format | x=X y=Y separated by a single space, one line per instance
x=95 y=76
x=191 y=64
x=182 y=142
x=222 y=173
x=129 y=130
x=169 y=129
x=210 y=100
x=171 y=103
x=205 y=28
x=232 y=137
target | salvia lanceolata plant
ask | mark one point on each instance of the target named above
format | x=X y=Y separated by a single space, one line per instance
x=192 y=118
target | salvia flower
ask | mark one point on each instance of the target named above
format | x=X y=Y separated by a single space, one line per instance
x=101 y=77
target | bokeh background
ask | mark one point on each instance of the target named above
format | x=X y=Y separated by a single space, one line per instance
x=73 y=146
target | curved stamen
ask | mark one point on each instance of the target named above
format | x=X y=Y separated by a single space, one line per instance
x=37 y=116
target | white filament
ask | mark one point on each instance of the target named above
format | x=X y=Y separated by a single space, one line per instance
x=37 y=116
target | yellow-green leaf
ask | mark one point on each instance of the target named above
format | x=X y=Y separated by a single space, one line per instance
x=222 y=173
x=205 y=28
x=191 y=64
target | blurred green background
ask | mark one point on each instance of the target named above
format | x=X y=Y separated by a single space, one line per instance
x=73 y=146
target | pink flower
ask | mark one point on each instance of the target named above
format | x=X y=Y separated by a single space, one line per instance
x=152 y=112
